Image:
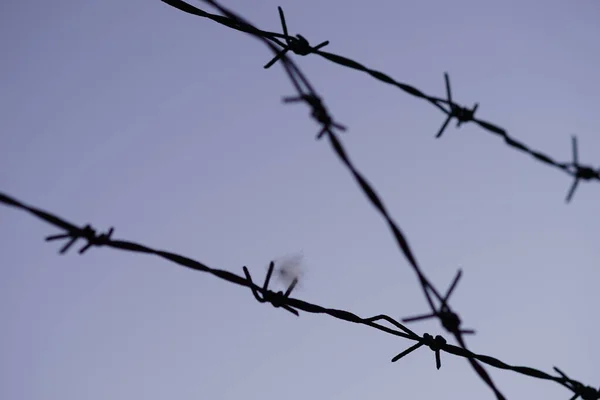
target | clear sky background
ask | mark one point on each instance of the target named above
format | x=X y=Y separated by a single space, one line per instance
x=135 y=115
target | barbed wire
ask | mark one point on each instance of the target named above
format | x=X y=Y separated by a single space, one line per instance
x=306 y=93
x=449 y=319
x=299 y=45
x=283 y=300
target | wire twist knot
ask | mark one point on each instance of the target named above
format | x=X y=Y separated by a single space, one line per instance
x=435 y=344
x=586 y=173
x=587 y=392
x=277 y=299
x=579 y=389
x=449 y=319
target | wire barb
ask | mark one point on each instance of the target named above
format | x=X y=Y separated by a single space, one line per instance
x=319 y=112
x=298 y=45
x=277 y=299
x=436 y=344
x=578 y=389
x=462 y=114
x=578 y=171
x=88 y=233
x=343 y=315
x=449 y=319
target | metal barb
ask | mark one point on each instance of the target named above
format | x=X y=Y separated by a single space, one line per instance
x=462 y=114
x=449 y=319
x=436 y=344
x=319 y=113
x=578 y=171
x=298 y=45
x=277 y=299
x=87 y=233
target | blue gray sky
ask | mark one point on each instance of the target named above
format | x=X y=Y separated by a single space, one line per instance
x=165 y=125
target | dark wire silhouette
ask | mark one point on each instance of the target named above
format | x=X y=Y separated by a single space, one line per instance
x=320 y=113
x=263 y=295
x=580 y=171
x=306 y=93
x=300 y=46
x=460 y=113
x=450 y=320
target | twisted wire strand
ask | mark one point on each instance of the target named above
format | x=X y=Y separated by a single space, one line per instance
x=279 y=299
x=300 y=46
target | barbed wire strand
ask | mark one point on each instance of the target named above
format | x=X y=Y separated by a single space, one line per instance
x=279 y=299
x=449 y=319
x=299 y=45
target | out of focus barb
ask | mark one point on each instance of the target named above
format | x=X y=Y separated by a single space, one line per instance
x=449 y=319
x=88 y=233
x=579 y=171
x=319 y=112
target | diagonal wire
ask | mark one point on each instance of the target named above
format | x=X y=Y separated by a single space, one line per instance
x=320 y=113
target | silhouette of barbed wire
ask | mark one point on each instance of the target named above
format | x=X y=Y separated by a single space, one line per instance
x=579 y=390
x=300 y=45
x=320 y=113
x=283 y=300
x=306 y=93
